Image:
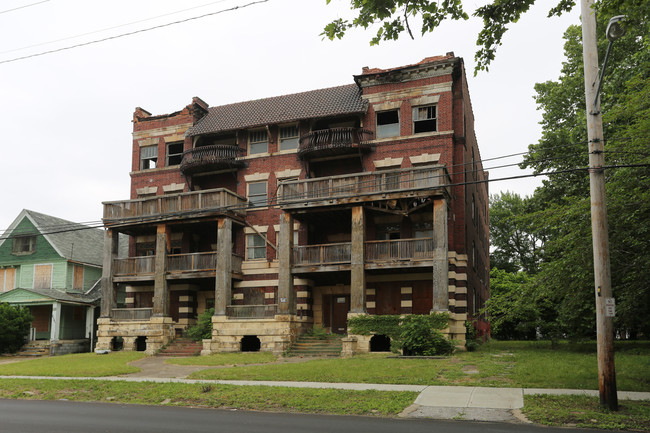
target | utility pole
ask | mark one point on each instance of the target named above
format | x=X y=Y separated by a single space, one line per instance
x=602 y=272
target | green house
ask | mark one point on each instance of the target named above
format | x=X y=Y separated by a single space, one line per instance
x=53 y=266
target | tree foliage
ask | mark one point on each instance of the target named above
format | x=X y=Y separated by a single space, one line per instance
x=14 y=327
x=397 y=16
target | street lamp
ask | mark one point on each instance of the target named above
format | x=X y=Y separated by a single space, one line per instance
x=615 y=30
x=600 y=239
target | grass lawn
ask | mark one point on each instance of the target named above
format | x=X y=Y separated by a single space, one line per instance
x=497 y=364
x=341 y=402
x=74 y=365
x=585 y=412
x=239 y=358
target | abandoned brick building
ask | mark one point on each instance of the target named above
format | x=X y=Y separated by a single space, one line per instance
x=301 y=210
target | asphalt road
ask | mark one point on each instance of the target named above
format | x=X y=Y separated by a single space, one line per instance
x=27 y=416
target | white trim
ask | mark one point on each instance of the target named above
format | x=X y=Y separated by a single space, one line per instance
x=148 y=142
x=173 y=138
x=256 y=177
x=173 y=187
x=260 y=229
x=425 y=100
x=425 y=158
x=147 y=190
x=288 y=173
x=388 y=162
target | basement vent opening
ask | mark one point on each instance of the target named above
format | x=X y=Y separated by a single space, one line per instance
x=117 y=344
x=141 y=343
x=380 y=343
x=250 y=343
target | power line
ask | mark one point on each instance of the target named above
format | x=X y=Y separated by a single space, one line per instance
x=96 y=41
x=109 y=28
x=23 y=7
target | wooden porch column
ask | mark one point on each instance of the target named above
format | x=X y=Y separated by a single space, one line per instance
x=358 y=272
x=55 y=324
x=286 y=294
x=111 y=239
x=160 y=294
x=223 y=283
x=440 y=261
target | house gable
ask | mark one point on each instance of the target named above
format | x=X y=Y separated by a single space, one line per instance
x=25 y=297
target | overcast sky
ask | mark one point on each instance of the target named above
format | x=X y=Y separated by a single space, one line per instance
x=66 y=117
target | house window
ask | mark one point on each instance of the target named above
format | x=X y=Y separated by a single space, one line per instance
x=78 y=277
x=42 y=276
x=423 y=230
x=258 y=142
x=7 y=279
x=174 y=153
x=388 y=232
x=24 y=245
x=257 y=194
x=288 y=137
x=255 y=247
x=425 y=119
x=148 y=157
x=388 y=124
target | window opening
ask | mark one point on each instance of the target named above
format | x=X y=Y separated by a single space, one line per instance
x=257 y=194
x=289 y=137
x=256 y=247
x=388 y=124
x=148 y=157
x=425 y=119
x=258 y=142
x=24 y=245
x=174 y=153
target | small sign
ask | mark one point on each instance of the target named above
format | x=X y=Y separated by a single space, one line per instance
x=340 y=300
x=283 y=299
x=610 y=307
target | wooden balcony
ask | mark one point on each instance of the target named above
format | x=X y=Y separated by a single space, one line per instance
x=364 y=187
x=378 y=254
x=179 y=266
x=334 y=141
x=131 y=313
x=170 y=207
x=251 y=311
x=210 y=158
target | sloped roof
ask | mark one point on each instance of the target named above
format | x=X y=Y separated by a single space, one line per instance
x=35 y=296
x=332 y=101
x=72 y=241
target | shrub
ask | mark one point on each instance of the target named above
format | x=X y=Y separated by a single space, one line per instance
x=203 y=328
x=14 y=327
x=419 y=338
x=471 y=336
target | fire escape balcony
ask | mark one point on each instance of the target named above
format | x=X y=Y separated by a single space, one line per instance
x=334 y=141
x=364 y=187
x=210 y=158
x=173 y=207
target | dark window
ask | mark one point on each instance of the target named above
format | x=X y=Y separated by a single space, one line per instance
x=148 y=157
x=388 y=124
x=174 y=153
x=24 y=245
x=425 y=119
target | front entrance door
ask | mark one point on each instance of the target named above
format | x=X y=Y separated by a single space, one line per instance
x=340 y=309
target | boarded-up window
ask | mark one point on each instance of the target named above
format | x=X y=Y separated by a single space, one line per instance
x=143 y=299
x=42 y=276
x=7 y=279
x=78 y=278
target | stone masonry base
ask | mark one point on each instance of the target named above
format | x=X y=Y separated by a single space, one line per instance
x=158 y=331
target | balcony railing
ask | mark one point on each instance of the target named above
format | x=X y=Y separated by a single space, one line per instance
x=363 y=186
x=326 y=254
x=216 y=156
x=251 y=311
x=131 y=313
x=173 y=206
x=334 y=141
x=131 y=266
x=399 y=249
x=192 y=262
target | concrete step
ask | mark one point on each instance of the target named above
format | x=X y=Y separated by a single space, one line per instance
x=308 y=345
x=182 y=347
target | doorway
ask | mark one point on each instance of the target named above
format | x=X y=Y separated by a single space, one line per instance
x=340 y=306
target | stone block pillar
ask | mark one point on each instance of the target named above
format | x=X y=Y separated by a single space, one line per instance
x=223 y=283
x=111 y=239
x=286 y=293
x=357 y=256
x=440 y=260
x=161 y=295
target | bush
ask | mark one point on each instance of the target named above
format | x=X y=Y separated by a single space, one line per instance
x=419 y=338
x=471 y=336
x=14 y=327
x=203 y=328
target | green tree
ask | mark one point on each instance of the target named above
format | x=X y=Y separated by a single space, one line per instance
x=14 y=327
x=517 y=239
x=566 y=273
x=397 y=16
